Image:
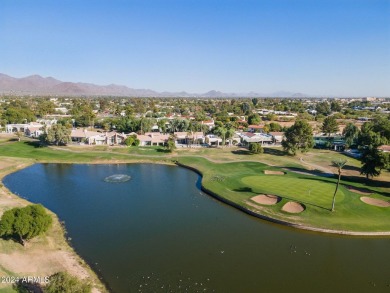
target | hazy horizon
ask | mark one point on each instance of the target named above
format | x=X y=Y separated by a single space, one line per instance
x=319 y=48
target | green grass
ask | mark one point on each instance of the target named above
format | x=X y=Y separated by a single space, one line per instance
x=28 y=149
x=246 y=179
x=7 y=290
x=310 y=191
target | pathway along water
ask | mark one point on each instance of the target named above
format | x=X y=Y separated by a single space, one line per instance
x=159 y=233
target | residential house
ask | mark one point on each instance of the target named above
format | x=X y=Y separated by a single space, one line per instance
x=250 y=137
x=153 y=138
x=384 y=148
x=115 y=138
x=189 y=137
x=255 y=128
x=209 y=123
x=21 y=127
x=277 y=137
x=88 y=137
x=213 y=140
x=34 y=131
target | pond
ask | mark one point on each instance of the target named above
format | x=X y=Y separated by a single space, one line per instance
x=158 y=232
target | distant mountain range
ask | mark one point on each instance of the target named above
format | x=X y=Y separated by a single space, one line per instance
x=38 y=85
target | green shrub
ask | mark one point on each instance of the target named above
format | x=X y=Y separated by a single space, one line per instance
x=25 y=223
x=255 y=148
x=65 y=283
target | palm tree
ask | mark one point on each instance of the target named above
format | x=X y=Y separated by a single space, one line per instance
x=174 y=125
x=351 y=133
x=189 y=137
x=222 y=132
x=339 y=164
x=229 y=135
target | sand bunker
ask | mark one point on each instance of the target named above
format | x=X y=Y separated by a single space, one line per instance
x=268 y=172
x=359 y=190
x=375 y=202
x=266 y=199
x=293 y=207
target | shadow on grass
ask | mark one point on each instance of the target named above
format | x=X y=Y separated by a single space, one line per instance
x=274 y=152
x=243 y=189
x=27 y=286
x=346 y=179
x=351 y=168
x=241 y=152
x=310 y=172
x=163 y=151
x=35 y=144
x=306 y=203
x=369 y=183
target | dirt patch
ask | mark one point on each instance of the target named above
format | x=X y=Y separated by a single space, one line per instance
x=293 y=207
x=375 y=202
x=269 y=172
x=359 y=190
x=266 y=199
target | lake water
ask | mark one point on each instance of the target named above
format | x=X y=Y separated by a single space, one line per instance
x=159 y=233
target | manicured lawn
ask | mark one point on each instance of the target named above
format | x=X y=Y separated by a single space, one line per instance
x=29 y=149
x=310 y=191
x=238 y=182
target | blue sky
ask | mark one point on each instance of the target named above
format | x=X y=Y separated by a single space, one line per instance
x=319 y=47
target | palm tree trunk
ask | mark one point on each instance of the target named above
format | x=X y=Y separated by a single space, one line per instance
x=337 y=187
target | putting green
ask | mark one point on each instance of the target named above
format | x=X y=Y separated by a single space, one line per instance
x=308 y=191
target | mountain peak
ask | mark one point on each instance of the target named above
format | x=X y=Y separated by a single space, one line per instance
x=38 y=85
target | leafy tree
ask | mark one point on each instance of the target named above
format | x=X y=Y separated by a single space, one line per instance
x=335 y=106
x=372 y=135
x=162 y=125
x=245 y=107
x=298 y=137
x=351 y=133
x=273 y=126
x=254 y=119
x=255 y=148
x=271 y=117
x=339 y=164
x=146 y=124
x=83 y=114
x=56 y=134
x=132 y=140
x=24 y=223
x=18 y=115
x=323 y=108
x=255 y=101
x=171 y=145
x=330 y=125
x=65 y=283
x=19 y=135
x=229 y=135
x=44 y=108
x=374 y=161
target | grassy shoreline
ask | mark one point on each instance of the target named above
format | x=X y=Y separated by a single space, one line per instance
x=276 y=221
x=245 y=178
